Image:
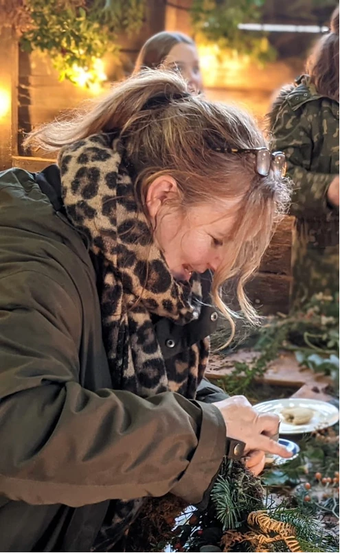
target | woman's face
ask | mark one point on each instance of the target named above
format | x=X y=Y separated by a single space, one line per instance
x=194 y=241
x=184 y=58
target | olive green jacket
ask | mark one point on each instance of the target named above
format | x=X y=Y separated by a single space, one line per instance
x=305 y=126
x=69 y=443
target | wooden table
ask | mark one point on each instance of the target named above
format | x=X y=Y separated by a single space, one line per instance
x=282 y=371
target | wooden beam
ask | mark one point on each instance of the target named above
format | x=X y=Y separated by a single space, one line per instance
x=277 y=258
x=8 y=95
x=31 y=163
x=270 y=293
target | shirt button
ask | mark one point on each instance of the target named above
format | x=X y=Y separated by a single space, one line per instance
x=170 y=343
x=214 y=316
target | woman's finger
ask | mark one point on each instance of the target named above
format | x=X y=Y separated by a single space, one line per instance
x=269 y=446
x=255 y=462
x=258 y=468
x=253 y=458
x=268 y=423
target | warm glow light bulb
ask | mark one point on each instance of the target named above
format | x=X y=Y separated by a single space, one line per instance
x=91 y=78
x=5 y=102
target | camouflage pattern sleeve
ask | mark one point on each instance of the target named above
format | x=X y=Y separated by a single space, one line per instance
x=292 y=133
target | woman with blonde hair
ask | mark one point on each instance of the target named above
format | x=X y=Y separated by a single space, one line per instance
x=305 y=126
x=105 y=312
x=174 y=51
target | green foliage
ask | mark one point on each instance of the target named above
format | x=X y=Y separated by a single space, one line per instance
x=277 y=478
x=243 y=376
x=76 y=34
x=315 y=327
x=226 y=510
x=236 y=493
x=233 y=498
x=281 y=494
x=314 y=520
x=312 y=333
x=121 y=15
x=319 y=452
x=310 y=533
x=217 y=21
x=326 y=365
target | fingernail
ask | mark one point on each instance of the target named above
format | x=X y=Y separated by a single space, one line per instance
x=290 y=453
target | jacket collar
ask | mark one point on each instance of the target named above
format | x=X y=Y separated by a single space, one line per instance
x=304 y=91
x=50 y=184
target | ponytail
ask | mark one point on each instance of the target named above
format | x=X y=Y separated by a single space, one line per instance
x=118 y=110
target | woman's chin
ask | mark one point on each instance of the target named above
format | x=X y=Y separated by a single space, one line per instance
x=182 y=274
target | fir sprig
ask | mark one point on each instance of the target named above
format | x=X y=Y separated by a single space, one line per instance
x=226 y=510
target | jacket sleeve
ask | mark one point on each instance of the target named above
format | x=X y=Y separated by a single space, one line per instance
x=292 y=134
x=209 y=393
x=61 y=443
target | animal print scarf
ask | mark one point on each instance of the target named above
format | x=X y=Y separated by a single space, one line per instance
x=135 y=285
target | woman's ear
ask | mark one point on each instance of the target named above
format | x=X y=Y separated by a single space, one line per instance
x=160 y=190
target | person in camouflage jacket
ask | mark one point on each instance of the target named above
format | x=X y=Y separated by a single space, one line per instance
x=304 y=123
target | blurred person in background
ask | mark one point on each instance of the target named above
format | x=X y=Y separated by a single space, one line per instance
x=304 y=123
x=174 y=51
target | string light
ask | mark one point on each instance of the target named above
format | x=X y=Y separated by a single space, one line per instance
x=5 y=102
x=91 y=78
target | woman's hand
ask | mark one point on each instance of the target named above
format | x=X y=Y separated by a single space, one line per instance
x=253 y=428
x=255 y=462
x=333 y=192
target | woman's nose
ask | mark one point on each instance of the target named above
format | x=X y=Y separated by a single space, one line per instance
x=215 y=262
x=194 y=82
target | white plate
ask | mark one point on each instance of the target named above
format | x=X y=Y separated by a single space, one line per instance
x=324 y=415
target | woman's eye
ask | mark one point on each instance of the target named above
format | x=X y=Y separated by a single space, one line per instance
x=217 y=243
x=177 y=67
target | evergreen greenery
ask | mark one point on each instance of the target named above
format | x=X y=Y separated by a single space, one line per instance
x=235 y=494
x=311 y=332
x=304 y=498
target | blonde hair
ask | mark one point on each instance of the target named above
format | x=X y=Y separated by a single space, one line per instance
x=166 y=130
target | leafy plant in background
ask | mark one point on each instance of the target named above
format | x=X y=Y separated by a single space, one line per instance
x=217 y=22
x=311 y=332
x=77 y=33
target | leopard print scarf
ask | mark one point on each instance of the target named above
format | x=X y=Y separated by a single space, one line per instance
x=135 y=285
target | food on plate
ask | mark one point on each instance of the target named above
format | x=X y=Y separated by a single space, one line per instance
x=297 y=415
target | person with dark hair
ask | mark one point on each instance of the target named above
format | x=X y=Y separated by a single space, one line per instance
x=304 y=123
x=105 y=313
x=175 y=51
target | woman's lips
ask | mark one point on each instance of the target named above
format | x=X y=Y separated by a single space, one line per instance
x=187 y=272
